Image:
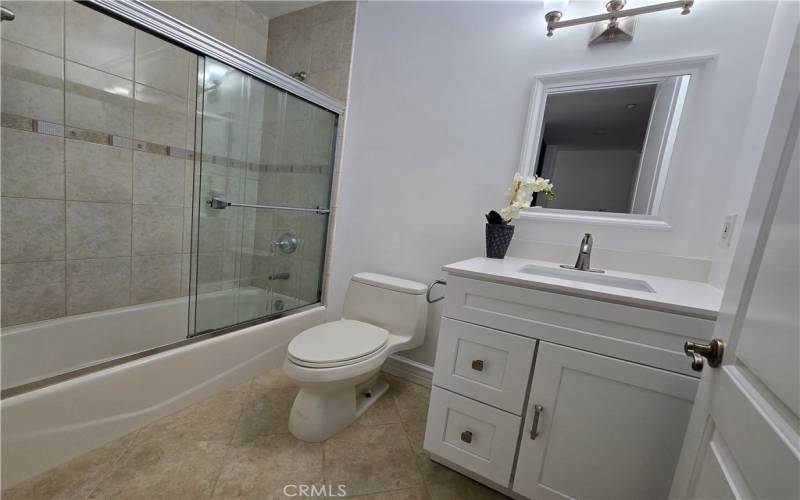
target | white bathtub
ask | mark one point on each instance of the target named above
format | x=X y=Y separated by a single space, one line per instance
x=48 y=426
x=39 y=350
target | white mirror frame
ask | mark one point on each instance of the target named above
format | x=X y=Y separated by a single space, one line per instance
x=599 y=78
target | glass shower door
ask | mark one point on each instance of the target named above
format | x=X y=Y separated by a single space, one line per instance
x=262 y=181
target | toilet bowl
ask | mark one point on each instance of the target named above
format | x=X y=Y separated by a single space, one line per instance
x=336 y=364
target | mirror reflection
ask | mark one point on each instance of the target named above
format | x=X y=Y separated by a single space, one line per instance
x=608 y=148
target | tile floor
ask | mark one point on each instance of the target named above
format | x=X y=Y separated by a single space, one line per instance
x=236 y=444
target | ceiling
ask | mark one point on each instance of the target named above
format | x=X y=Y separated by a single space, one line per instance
x=599 y=119
x=275 y=8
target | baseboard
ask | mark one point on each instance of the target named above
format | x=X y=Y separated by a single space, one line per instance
x=408 y=369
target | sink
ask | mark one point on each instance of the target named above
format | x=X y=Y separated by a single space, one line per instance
x=588 y=277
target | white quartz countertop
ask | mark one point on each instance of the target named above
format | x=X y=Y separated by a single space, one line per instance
x=672 y=295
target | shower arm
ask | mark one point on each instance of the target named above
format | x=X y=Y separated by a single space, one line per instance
x=220 y=203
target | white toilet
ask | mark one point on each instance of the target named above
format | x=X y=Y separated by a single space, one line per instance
x=336 y=364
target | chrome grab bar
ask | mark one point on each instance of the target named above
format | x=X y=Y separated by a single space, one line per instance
x=430 y=287
x=220 y=203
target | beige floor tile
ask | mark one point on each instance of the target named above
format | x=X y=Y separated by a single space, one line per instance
x=462 y=488
x=261 y=469
x=165 y=469
x=411 y=400
x=273 y=379
x=370 y=459
x=266 y=412
x=430 y=470
x=75 y=479
x=212 y=419
x=404 y=494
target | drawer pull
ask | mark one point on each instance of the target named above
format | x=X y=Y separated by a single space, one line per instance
x=466 y=436
x=477 y=365
x=537 y=410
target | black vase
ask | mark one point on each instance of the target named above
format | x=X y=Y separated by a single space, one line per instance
x=498 y=237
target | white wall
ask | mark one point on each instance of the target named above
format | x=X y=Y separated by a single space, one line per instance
x=594 y=179
x=437 y=105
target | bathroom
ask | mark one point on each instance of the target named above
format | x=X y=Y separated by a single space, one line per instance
x=247 y=249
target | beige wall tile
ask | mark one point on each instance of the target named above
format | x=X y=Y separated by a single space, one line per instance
x=155 y=277
x=32 y=230
x=333 y=82
x=327 y=43
x=32 y=83
x=157 y=229
x=218 y=19
x=96 y=172
x=162 y=65
x=97 y=284
x=158 y=179
x=99 y=41
x=159 y=117
x=98 y=101
x=32 y=165
x=38 y=24
x=32 y=292
x=180 y=9
x=250 y=41
x=327 y=11
x=97 y=230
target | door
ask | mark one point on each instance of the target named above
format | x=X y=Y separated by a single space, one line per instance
x=743 y=440
x=600 y=427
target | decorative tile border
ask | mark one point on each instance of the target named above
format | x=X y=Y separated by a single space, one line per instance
x=24 y=123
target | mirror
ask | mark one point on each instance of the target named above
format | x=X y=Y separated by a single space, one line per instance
x=607 y=147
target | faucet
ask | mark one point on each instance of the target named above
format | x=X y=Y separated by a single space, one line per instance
x=584 y=256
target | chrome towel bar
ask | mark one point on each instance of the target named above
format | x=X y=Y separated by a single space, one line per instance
x=430 y=287
x=220 y=203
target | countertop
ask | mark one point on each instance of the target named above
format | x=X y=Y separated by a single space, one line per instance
x=686 y=297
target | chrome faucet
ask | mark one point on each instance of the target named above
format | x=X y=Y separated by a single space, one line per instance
x=584 y=256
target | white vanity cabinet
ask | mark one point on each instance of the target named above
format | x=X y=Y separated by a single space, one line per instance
x=550 y=395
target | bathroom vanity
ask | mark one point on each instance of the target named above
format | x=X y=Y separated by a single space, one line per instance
x=551 y=382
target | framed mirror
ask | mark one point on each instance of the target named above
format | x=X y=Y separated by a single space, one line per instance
x=605 y=138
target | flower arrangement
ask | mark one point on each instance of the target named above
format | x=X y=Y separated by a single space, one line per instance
x=519 y=196
x=498 y=230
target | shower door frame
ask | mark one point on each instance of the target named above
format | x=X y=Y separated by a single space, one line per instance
x=147 y=18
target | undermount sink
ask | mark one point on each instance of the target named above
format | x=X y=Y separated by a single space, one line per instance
x=588 y=277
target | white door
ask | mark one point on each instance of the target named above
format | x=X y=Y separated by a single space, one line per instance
x=743 y=439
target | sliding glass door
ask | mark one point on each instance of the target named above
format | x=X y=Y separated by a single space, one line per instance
x=262 y=185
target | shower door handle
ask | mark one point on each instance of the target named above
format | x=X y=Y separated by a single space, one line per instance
x=220 y=203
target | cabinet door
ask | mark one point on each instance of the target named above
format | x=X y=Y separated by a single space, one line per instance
x=606 y=429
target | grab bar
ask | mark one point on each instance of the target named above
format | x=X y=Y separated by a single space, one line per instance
x=430 y=287
x=220 y=203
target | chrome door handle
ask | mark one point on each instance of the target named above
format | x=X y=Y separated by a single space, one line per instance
x=6 y=14
x=713 y=352
x=537 y=411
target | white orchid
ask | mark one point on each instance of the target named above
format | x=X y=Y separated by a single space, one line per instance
x=520 y=194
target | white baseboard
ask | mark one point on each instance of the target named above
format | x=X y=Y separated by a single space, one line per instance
x=408 y=369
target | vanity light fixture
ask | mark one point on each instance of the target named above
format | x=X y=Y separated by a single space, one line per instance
x=616 y=25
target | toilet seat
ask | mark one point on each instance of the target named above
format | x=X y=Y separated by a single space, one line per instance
x=338 y=343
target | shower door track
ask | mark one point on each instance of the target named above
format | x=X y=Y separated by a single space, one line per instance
x=150 y=19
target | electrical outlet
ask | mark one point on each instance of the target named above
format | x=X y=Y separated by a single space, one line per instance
x=727 y=231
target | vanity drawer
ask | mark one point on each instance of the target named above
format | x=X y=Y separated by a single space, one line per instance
x=475 y=436
x=646 y=336
x=484 y=364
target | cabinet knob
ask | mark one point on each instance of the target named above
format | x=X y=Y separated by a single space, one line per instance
x=713 y=352
x=477 y=365
x=466 y=436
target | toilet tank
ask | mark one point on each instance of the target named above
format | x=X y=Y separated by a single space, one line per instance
x=396 y=304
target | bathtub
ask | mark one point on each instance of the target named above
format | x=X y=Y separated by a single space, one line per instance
x=48 y=426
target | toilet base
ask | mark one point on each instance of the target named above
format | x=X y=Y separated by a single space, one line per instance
x=319 y=414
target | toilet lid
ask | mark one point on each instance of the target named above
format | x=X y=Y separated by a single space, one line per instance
x=337 y=341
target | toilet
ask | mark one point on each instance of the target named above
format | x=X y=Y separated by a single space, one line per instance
x=336 y=364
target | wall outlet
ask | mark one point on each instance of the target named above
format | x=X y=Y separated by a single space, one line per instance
x=727 y=231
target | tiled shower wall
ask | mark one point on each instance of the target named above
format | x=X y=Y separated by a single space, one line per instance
x=97 y=123
x=317 y=40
